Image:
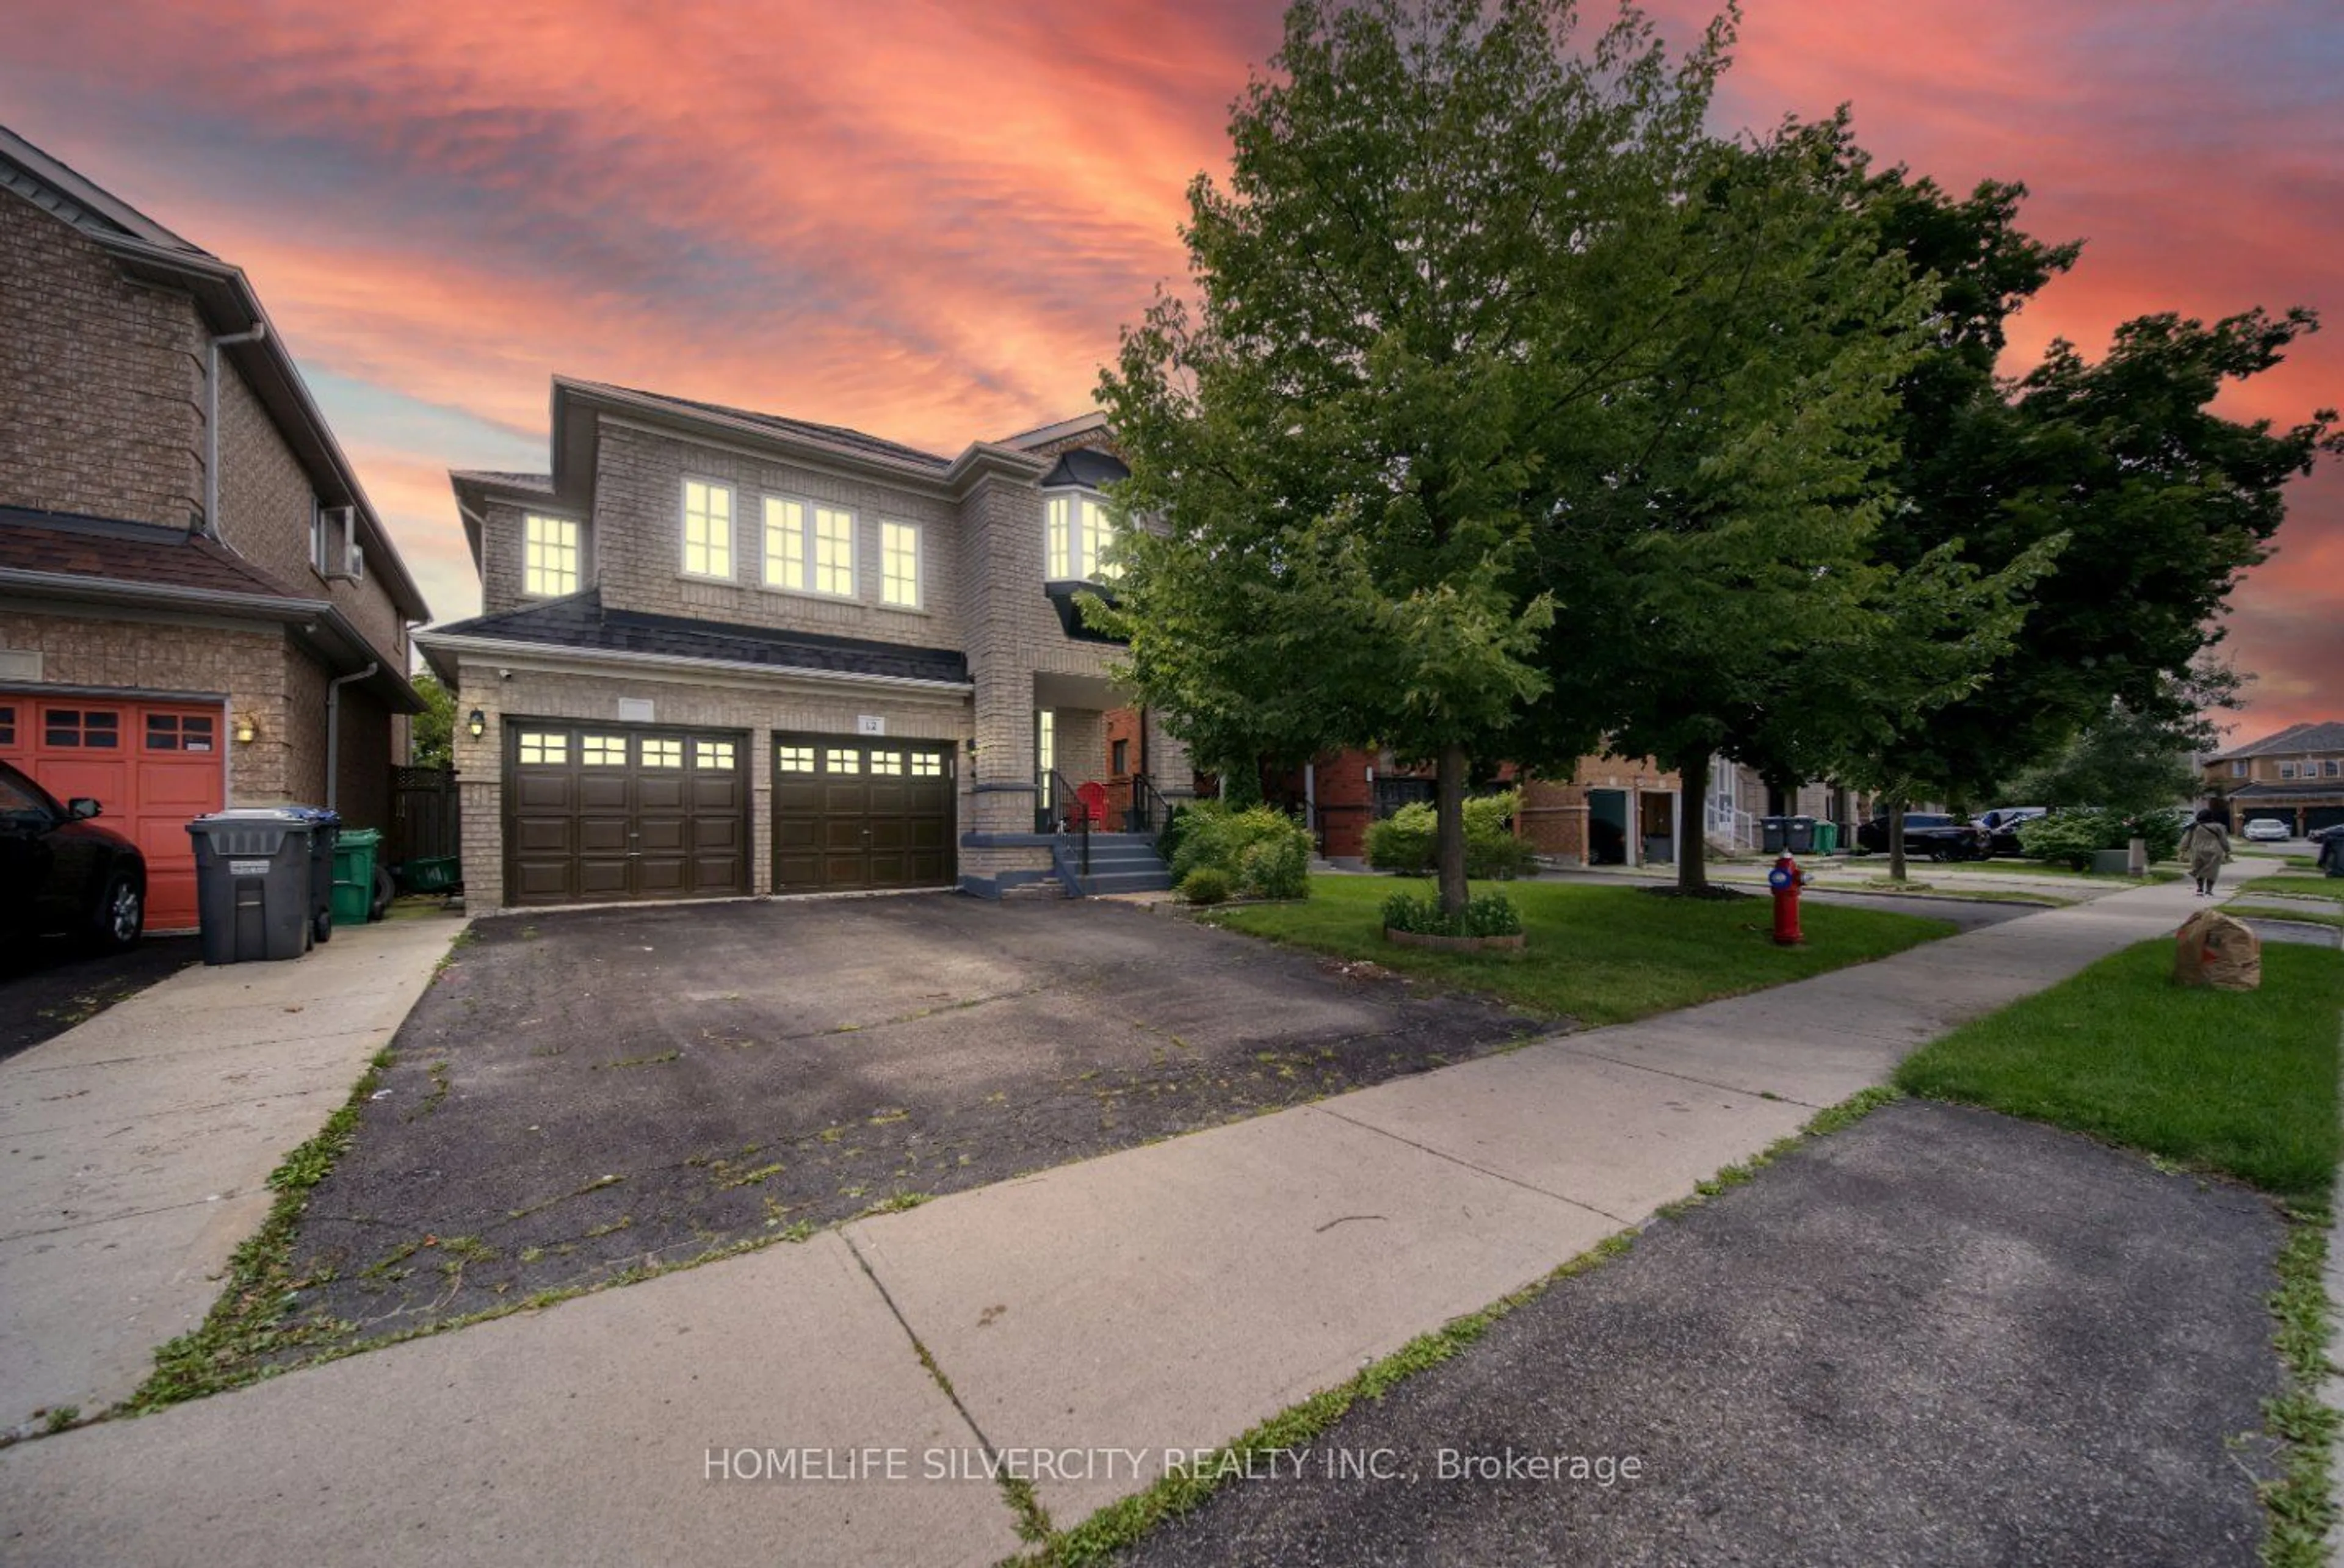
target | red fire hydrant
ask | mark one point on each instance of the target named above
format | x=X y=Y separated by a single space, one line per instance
x=1784 y=879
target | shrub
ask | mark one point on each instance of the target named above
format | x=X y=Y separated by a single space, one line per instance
x=2068 y=838
x=2071 y=836
x=1277 y=868
x=1206 y=884
x=1262 y=851
x=1406 y=840
x=1484 y=914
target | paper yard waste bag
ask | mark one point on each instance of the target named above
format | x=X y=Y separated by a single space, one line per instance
x=2212 y=950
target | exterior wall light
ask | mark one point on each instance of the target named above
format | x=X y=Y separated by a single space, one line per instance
x=248 y=730
x=478 y=723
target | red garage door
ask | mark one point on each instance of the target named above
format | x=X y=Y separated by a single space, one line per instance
x=151 y=765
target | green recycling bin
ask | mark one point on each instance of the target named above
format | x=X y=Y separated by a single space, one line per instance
x=354 y=874
x=1826 y=837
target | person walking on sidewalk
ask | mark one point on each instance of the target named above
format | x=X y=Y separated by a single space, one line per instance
x=2206 y=845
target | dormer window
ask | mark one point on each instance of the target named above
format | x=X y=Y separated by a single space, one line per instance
x=1078 y=535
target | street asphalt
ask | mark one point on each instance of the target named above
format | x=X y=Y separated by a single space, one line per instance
x=1940 y=1337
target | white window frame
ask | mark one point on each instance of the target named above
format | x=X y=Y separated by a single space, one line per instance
x=577 y=548
x=809 y=542
x=2237 y=770
x=1082 y=517
x=732 y=529
x=918 y=600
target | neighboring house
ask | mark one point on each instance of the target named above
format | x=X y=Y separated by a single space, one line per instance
x=723 y=652
x=191 y=579
x=2296 y=776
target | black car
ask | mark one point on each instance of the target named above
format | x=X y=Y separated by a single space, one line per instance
x=1931 y=834
x=2001 y=824
x=60 y=873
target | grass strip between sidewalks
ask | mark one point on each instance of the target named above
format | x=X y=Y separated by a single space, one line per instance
x=2239 y=1084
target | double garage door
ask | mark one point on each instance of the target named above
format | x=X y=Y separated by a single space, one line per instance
x=151 y=765
x=597 y=813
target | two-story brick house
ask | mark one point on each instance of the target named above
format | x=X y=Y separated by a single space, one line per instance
x=723 y=652
x=198 y=606
x=2296 y=776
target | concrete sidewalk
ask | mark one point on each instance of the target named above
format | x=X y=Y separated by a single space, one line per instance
x=1164 y=1297
x=135 y=1148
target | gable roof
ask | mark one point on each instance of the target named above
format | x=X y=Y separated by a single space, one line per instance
x=802 y=430
x=2320 y=736
x=578 y=622
x=145 y=250
x=66 y=556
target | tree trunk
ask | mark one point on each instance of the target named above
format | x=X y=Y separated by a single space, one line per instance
x=1896 y=841
x=1449 y=851
x=1693 y=839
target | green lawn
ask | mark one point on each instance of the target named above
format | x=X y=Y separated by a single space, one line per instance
x=2299 y=886
x=2310 y=914
x=1598 y=955
x=2240 y=1082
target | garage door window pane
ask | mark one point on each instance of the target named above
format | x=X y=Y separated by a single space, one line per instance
x=178 y=732
x=795 y=759
x=888 y=763
x=713 y=755
x=542 y=747
x=8 y=726
x=659 y=753
x=927 y=765
x=80 y=727
x=840 y=761
x=602 y=751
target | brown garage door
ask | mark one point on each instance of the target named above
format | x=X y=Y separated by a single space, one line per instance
x=855 y=814
x=596 y=812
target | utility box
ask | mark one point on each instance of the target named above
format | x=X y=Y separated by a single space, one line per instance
x=253 y=897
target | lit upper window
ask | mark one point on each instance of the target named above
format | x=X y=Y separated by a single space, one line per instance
x=809 y=547
x=899 y=564
x=549 y=565
x=707 y=529
x=1078 y=536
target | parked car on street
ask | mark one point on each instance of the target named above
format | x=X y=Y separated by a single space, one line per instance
x=1933 y=836
x=2002 y=824
x=2267 y=830
x=61 y=873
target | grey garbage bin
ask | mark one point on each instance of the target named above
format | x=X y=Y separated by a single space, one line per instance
x=1775 y=833
x=253 y=884
x=324 y=828
x=1799 y=834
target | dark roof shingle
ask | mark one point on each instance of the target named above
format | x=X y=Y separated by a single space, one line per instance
x=111 y=550
x=580 y=621
x=2326 y=736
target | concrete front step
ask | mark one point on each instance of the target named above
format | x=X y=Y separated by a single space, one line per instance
x=1158 y=880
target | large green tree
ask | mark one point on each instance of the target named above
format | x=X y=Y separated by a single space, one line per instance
x=1497 y=361
x=2159 y=504
x=431 y=733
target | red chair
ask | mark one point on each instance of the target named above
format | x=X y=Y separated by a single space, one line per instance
x=1089 y=805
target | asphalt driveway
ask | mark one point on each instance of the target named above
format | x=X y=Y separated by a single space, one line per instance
x=49 y=985
x=580 y=1094
x=1942 y=1336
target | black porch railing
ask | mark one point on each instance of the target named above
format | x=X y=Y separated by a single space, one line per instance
x=1064 y=812
x=1148 y=810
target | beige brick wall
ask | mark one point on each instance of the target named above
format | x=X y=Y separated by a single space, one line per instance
x=638 y=543
x=101 y=381
x=758 y=711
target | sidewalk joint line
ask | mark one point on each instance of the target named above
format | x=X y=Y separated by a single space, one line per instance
x=1457 y=1159
x=1689 y=1078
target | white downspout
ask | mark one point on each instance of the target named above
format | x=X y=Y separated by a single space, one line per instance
x=211 y=419
x=333 y=727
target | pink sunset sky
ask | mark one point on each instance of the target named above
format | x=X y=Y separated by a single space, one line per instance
x=929 y=220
